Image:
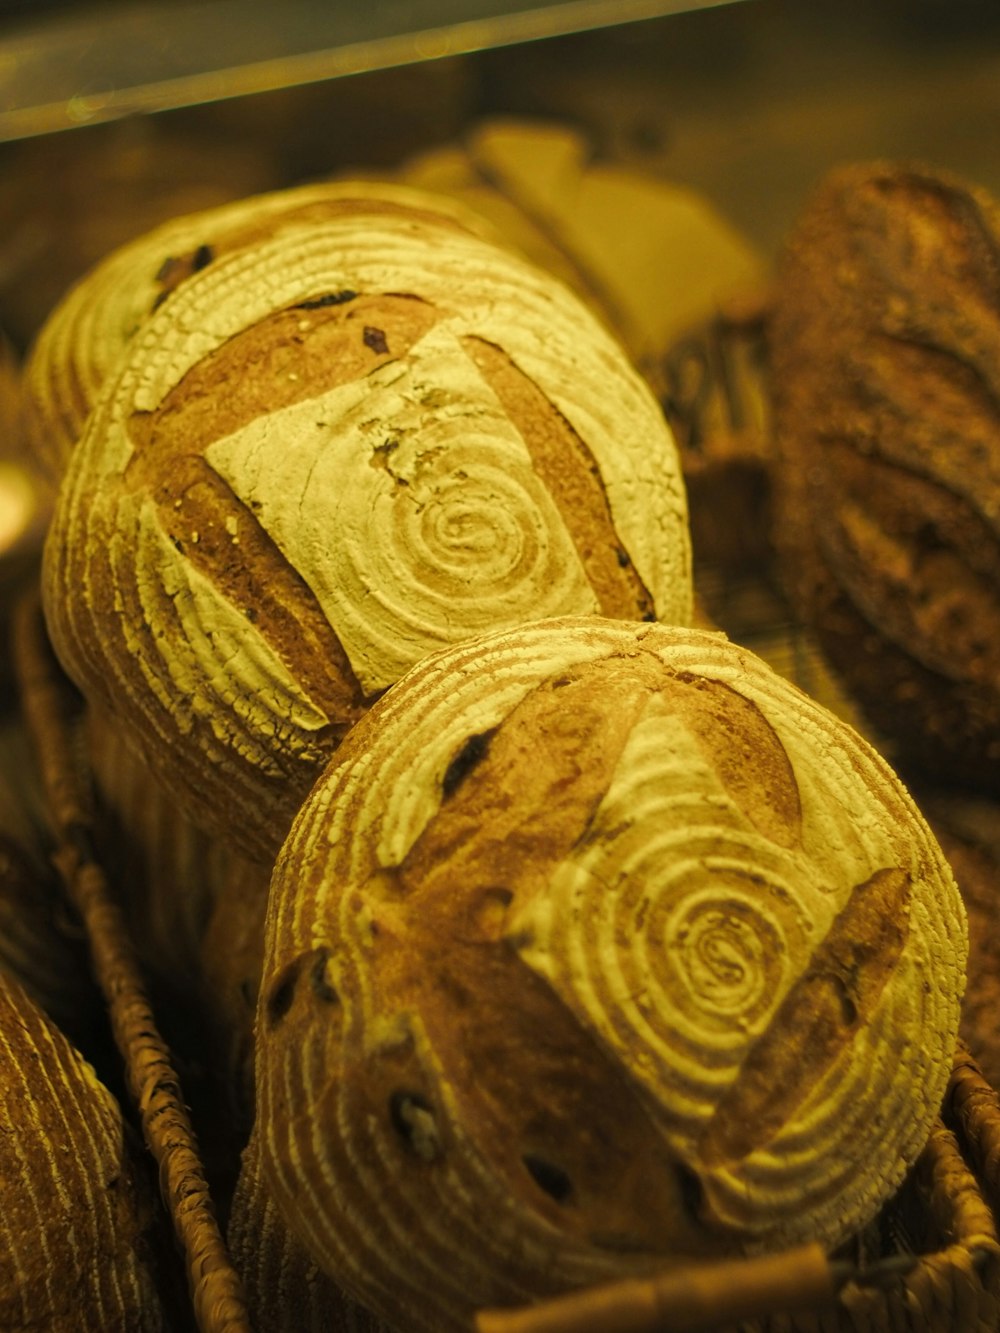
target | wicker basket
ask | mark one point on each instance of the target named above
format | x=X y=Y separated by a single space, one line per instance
x=216 y=1292
x=930 y=1263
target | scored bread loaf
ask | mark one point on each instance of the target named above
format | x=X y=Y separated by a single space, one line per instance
x=884 y=344
x=324 y=457
x=598 y=946
x=78 y=1229
x=86 y=333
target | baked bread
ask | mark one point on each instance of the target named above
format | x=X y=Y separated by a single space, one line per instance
x=78 y=1227
x=169 y=870
x=884 y=343
x=286 y=1291
x=969 y=834
x=86 y=333
x=598 y=946
x=228 y=969
x=325 y=457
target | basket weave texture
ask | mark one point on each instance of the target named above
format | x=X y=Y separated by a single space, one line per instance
x=930 y=1265
x=216 y=1292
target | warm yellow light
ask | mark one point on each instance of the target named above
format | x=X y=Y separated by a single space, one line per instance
x=18 y=502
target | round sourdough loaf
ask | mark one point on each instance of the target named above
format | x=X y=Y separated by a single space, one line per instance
x=86 y=334
x=598 y=946
x=77 y=1230
x=885 y=382
x=325 y=456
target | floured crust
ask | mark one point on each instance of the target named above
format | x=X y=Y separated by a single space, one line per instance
x=325 y=457
x=884 y=346
x=599 y=946
x=74 y=1250
x=86 y=334
x=284 y=1287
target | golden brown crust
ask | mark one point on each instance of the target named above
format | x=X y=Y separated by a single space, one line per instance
x=569 y=471
x=839 y=989
x=76 y=1214
x=285 y=1289
x=598 y=946
x=884 y=344
x=89 y=329
x=325 y=456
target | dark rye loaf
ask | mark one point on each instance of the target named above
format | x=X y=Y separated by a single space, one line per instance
x=885 y=381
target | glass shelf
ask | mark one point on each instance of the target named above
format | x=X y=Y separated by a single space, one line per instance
x=85 y=66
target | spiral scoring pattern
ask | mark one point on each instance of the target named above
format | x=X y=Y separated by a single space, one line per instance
x=726 y=954
x=641 y=846
x=325 y=456
x=441 y=519
x=678 y=927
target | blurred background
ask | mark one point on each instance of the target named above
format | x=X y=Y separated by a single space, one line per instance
x=115 y=115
